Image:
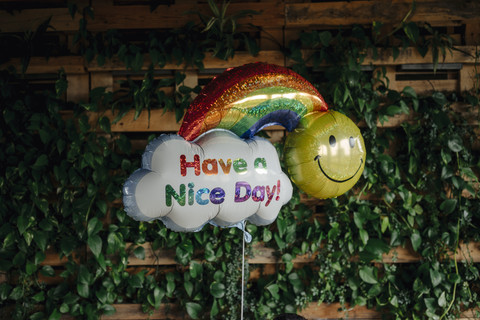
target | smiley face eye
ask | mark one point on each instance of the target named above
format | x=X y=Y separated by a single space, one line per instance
x=332 y=141
x=351 y=141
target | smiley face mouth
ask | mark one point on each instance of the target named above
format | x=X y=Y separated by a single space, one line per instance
x=317 y=158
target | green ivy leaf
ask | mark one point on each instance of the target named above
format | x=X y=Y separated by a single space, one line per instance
x=215 y=309
x=104 y=123
x=94 y=226
x=41 y=162
x=394 y=301
x=439 y=98
x=267 y=235
x=158 y=295
x=84 y=276
x=101 y=295
x=108 y=309
x=393 y=110
x=30 y=268
x=384 y=224
x=83 y=290
x=55 y=315
x=442 y=301
x=217 y=289
x=448 y=205
x=274 y=289
x=47 y=271
x=188 y=285
x=219 y=276
x=170 y=284
x=95 y=244
x=37 y=316
x=39 y=297
x=436 y=277
x=368 y=275
x=363 y=236
x=67 y=245
x=409 y=92
x=22 y=223
x=136 y=280
x=416 y=240
x=41 y=239
x=296 y=282
x=5 y=289
x=61 y=84
x=455 y=143
x=16 y=293
x=184 y=252
x=196 y=269
x=64 y=308
x=19 y=259
x=193 y=309
x=139 y=252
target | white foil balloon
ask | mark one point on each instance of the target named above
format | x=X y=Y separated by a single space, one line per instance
x=218 y=178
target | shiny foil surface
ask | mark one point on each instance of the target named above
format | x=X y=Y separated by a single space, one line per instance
x=251 y=96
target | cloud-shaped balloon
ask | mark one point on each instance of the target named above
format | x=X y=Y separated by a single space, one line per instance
x=218 y=178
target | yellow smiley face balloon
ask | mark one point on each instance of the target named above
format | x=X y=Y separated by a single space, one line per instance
x=325 y=154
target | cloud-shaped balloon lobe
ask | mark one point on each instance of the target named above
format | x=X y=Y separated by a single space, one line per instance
x=218 y=178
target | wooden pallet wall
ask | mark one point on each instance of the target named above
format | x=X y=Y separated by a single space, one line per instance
x=280 y=21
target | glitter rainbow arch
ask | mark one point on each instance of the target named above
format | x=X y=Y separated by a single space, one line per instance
x=246 y=99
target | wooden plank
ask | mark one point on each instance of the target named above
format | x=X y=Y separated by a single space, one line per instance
x=39 y=65
x=30 y=19
x=342 y=13
x=137 y=16
x=469 y=113
x=469 y=78
x=77 y=64
x=427 y=86
x=337 y=311
x=52 y=258
x=152 y=257
x=159 y=121
x=266 y=255
x=210 y=62
x=272 y=39
x=410 y=55
x=56 y=279
x=134 y=312
x=101 y=79
x=78 y=87
x=312 y=311
x=472 y=33
x=273 y=14
x=174 y=16
x=326 y=311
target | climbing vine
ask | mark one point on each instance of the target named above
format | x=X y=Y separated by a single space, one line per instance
x=60 y=186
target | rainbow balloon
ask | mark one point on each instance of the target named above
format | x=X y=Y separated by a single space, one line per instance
x=324 y=153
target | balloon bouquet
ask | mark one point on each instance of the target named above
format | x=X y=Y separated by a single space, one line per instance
x=217 y=171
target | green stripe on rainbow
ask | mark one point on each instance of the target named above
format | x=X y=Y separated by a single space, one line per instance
x=244 y=113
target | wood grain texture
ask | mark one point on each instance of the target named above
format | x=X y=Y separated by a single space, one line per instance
x=344 y=13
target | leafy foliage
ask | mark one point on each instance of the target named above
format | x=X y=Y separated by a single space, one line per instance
x=60 y=186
